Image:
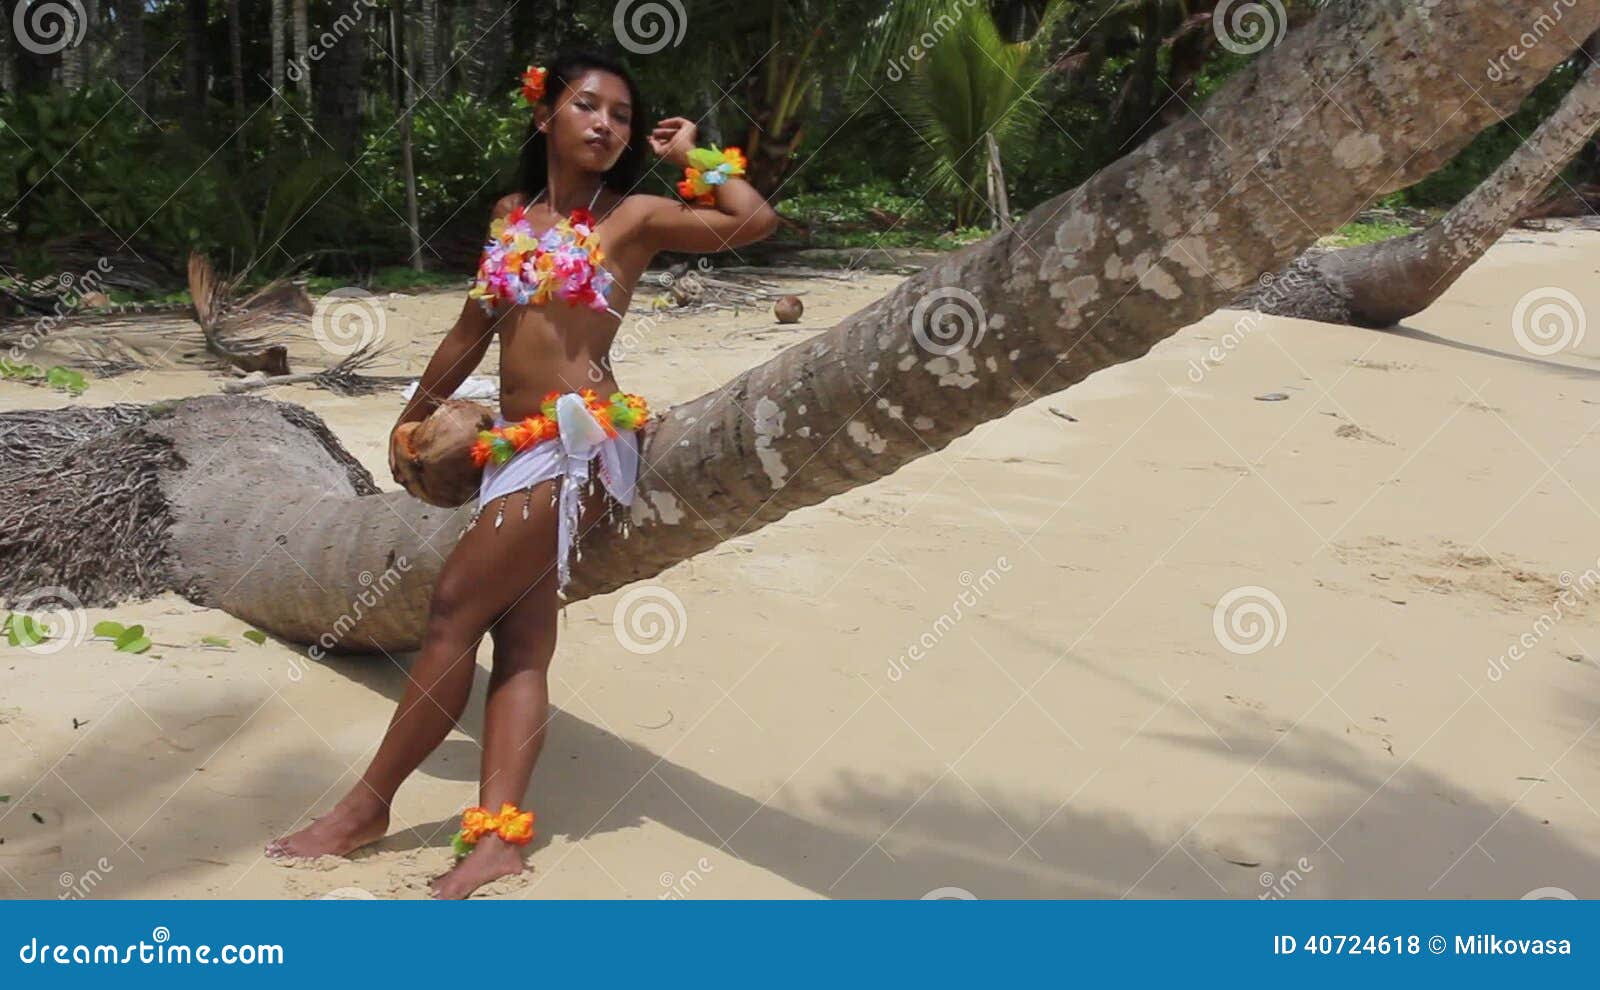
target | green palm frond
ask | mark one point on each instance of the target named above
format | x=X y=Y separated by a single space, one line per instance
x=972 y=84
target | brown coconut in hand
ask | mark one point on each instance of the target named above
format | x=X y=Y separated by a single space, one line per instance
x=435 y=456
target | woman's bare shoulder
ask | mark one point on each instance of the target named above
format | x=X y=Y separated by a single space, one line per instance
x=507 y=203
x=647 y=204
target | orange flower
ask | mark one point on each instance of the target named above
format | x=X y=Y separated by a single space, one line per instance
x=480 y=452
x=516 y=827
x=476 y=823
x=533 y=84
x=691 y=179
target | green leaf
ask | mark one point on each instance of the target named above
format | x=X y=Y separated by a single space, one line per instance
x=108 y=629
x=214 y=641
x=255 y=636
x=66 y=378
x=26 y=631
x=137 y=645
x=130 y=635
x=4 y=798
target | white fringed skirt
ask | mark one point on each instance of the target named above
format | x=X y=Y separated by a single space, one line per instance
x=572 y=457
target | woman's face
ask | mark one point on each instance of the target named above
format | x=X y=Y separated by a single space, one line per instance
x=592 y=121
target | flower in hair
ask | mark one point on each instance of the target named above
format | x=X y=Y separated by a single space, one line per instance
x=533 y=84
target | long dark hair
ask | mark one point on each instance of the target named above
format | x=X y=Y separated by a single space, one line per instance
x=561 y=71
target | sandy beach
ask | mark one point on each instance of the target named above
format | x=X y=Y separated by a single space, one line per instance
x=1154 y=636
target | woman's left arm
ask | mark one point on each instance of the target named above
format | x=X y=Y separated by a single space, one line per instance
x=741 y=215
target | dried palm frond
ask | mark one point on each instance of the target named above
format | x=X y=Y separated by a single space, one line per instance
x=344 y=378
x=245 y=333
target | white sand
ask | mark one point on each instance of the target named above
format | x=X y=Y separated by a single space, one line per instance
x=1079 y=731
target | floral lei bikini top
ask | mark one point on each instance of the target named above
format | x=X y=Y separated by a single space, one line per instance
x=519 y=266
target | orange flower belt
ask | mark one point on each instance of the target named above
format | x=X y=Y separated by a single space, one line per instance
x=622 y=411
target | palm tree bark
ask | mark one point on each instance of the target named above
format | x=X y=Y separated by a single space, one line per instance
x=1088 y=279
x=8 y=67
x=130 y=49
x=196 y=63
x=1379 y=285
x=406 y=95
x=487 y=43
x=236 y=56
x=76 y=60
x=428 y=47
x=302 y=41
x=279 y=25
x=338 y=100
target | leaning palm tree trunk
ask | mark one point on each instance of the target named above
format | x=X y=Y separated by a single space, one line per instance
x=257 y=510
x=1379 y=285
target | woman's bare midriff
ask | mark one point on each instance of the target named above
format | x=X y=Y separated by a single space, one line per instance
x=555 y=347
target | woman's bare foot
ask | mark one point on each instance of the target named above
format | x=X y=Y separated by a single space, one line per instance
x=491 y=859
x=354 y=822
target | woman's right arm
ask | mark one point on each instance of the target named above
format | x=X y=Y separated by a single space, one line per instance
x=461 y=350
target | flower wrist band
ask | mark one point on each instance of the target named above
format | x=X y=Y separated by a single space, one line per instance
x=511 y=824
x=707 y=169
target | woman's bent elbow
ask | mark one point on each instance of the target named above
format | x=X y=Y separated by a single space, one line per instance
x=766 y=223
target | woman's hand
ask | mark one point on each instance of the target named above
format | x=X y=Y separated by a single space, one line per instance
x=673 y=139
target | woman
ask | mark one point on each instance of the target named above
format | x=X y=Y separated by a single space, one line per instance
x=556 y=307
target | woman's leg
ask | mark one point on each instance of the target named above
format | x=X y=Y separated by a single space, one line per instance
x=518 y=707
x=488 y=571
